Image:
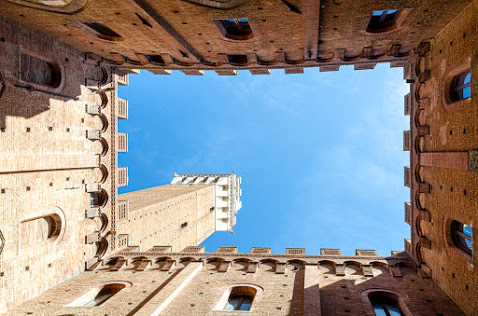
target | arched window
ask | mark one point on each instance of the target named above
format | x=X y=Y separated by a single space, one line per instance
x=105 y=294
x=385 y=304
x=383 y=21
x=40 y=229
x=462 y=237
x=235 y=29
x=39 y=71
x=460 y=86
x=99 y=30
x=240 y=299
x=98 y=295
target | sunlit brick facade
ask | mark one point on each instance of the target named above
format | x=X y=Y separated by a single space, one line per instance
x=69 y=244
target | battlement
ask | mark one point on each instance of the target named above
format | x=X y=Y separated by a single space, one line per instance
x=290 y=253
x=228 y=195
x=161 y=257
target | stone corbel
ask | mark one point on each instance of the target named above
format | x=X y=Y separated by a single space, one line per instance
x=367 y=270
x=280 y=267
x=395 y=271
x=168 y=265
x=252 y=267
x=120 y=263
x=143 y=265
x=340 y=269
x=224 y=266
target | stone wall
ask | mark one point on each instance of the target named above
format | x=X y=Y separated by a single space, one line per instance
x=291 y=34
x=47 y=162
x=444 y=137
x=161 y=283
x=176 y=215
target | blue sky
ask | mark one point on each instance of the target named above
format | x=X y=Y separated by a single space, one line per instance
x=320 y=154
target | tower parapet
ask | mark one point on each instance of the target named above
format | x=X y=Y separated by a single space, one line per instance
x=228 y=195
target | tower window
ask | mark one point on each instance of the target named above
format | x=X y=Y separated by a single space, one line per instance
x=240 y=299
x=235 y=29
x=460 y=86
x=385 y=306
x=462 y=236
x=383 y=21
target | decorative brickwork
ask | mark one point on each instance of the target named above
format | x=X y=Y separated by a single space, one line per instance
x=226 y=250
x=122 y=176
x=329 y=252
x=261 y=250
x=122 y=108
x=295 y=251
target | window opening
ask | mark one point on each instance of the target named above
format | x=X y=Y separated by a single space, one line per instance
x=240 y=299
x=235 y=29
x=383 y=21
x=100 y=30
x=461 y=86
x=462 y=236
x=385 y=306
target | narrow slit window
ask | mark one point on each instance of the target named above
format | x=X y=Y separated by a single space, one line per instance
x=235 y=29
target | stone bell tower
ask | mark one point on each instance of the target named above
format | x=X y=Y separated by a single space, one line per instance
x=181 y=214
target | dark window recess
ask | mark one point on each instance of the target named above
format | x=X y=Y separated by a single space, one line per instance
x=155 y=59
x=460 y=86
x=237 y=60
x=235 y=29
x=240 y=299
x=462 y=237
x=384 y=305
x=383 y=21
x=143 y=20
x=184 y=224
x=38 y=71
x=105 y=293
x=102 y=31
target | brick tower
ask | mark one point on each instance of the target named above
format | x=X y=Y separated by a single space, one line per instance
x=181 y=214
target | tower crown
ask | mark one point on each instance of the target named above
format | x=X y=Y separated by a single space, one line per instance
x=228 y=195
